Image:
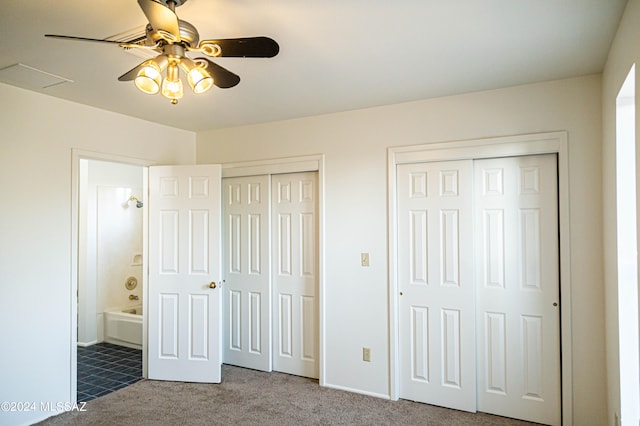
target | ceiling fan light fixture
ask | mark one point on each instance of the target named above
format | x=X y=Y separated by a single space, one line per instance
x=172 y=85
x=173 y=39
x=149 y=78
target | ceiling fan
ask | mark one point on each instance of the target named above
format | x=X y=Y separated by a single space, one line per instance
x=172 y=39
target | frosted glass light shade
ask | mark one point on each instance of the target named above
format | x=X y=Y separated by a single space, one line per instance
x=172 y=85
x=149 y=78
x=199 y=80
x=172 y=89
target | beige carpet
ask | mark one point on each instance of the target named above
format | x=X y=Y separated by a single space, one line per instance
x=248 y=397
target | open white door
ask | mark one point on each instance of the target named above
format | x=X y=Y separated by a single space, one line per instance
x=184 y=310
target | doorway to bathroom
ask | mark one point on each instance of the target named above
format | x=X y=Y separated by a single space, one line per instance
x=110 y=275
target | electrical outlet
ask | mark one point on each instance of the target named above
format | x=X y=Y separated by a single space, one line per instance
x=366 y=354
x=364 y=259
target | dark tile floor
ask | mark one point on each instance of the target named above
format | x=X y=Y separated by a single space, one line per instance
x=104 y=368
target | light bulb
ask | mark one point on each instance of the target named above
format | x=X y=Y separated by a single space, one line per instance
x=148 y=78
x=172 y=85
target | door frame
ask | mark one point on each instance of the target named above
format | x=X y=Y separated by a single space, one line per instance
x=310 y=163
x=508 y=146
x=76 y=156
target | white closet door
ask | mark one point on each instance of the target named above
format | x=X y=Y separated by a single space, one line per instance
x=517 y=277
x=295 y=273
x=435 y=280
x=247 y=292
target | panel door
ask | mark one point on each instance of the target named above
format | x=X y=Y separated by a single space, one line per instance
x=184 y=308
x=435 y=280
x=295 y=273
x=247 y=291
x=518 y=288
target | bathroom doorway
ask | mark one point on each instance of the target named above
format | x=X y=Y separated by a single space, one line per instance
x=111 y=200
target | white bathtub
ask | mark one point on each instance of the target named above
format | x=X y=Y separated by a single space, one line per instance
x=123 y=327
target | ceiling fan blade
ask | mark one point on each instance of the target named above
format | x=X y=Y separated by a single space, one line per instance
x=248 y=47
x=163 y=20
x=64 y=37
x=124 y=44
x=133 y=73
x=222 y=77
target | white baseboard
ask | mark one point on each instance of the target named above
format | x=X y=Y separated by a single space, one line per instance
x=360 y=391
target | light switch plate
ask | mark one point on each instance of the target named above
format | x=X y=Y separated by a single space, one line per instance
x=364 y=259
x=366 y=354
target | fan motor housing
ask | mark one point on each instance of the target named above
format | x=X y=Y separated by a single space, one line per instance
x=188 y=33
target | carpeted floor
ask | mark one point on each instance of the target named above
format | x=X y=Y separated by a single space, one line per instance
x=248 y=397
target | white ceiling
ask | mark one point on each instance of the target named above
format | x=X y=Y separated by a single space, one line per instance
x=335 y=55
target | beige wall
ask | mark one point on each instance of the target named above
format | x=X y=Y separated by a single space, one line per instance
x=625 y=51
x=355 y=147
x=37 y=134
